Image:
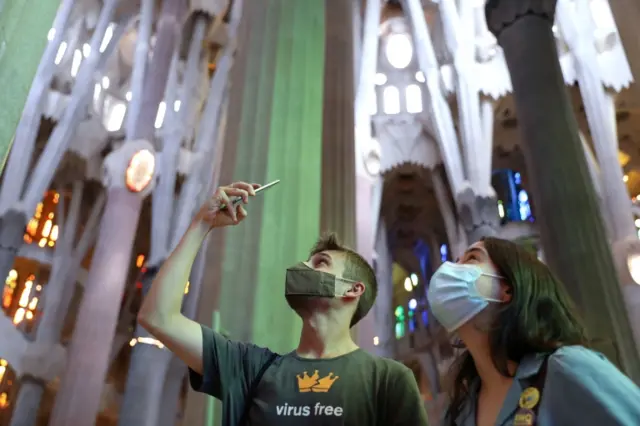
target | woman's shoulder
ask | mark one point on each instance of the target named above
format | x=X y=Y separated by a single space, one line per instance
x=578 y=376
x=575 y=363
x=577 y=354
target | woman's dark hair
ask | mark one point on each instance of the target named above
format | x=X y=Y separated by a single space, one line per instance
x=539 y=318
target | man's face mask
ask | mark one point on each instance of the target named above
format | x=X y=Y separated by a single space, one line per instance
x=302 y=280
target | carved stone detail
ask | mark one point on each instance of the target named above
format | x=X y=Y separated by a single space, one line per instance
x=502 y=13
x=478 y=215
x=43 y=361
x=116 y=163
x=403 y=140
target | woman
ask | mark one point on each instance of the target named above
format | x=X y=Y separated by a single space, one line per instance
x=526 y=360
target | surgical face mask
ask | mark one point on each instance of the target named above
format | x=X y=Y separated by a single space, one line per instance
x=302 y=280
x=453 y=294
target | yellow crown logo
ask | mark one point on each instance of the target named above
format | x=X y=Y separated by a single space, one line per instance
x=314 y=383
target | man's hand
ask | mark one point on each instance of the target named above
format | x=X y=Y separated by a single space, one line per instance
x=218 y=211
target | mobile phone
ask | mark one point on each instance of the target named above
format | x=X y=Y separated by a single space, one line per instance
x=238 y=200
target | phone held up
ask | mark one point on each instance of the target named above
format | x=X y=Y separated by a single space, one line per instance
x=237 y=200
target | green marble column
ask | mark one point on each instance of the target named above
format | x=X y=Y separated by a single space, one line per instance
x=23 y=37
x=274 y=131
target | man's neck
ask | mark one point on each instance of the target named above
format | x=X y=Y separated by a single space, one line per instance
x=324 y=337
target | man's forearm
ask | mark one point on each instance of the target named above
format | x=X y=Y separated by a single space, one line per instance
x=164 y=299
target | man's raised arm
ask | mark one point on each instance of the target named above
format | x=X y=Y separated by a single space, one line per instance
x=160 y=313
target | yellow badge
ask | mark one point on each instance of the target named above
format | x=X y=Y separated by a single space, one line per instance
x=529 y=398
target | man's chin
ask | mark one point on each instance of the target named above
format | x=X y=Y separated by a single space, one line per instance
x=304 y=305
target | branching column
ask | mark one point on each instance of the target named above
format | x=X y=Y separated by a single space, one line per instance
x=78 y=399
x=18 y=199
x=67 y=258
x=571 y=227
x=575 y=24
x=477 y=203
x=149 y=364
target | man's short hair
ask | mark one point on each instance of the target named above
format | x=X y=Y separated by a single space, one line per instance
x=356 y=268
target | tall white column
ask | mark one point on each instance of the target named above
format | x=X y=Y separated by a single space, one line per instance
x=365 y=95
x=477 y=203
x=383 y=308
x=438 y=108
x=579 y=31
x=576 y=25
x=365 y=231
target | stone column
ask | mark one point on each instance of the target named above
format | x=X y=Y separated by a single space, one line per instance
x=71 y=247
x=338 y=203
x=18 y=198
x=577 y=30
x=382 y=311
x=576 y=26
x=477 y=203
x=78 y=398
x=573 y=238
x=364 y=147
x=29 y=397
x=339 y=148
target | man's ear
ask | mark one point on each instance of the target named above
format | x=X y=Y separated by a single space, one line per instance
x=357 y=289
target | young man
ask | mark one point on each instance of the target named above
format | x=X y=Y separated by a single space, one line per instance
x=326 y=381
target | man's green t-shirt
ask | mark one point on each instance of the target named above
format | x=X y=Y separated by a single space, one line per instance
x=356 y=389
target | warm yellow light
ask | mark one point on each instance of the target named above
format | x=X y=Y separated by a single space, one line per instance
x=625 y=178
x=39 y=208
x=19 y=316
x=4 y=400
x=24 y=297
x=408 y=285
x=29 y=315
x=623 y=158
x=140 y=170
x=186 y=288
x=32 y=226
x=140 y=260
x=33 y=304
x=46 y=230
